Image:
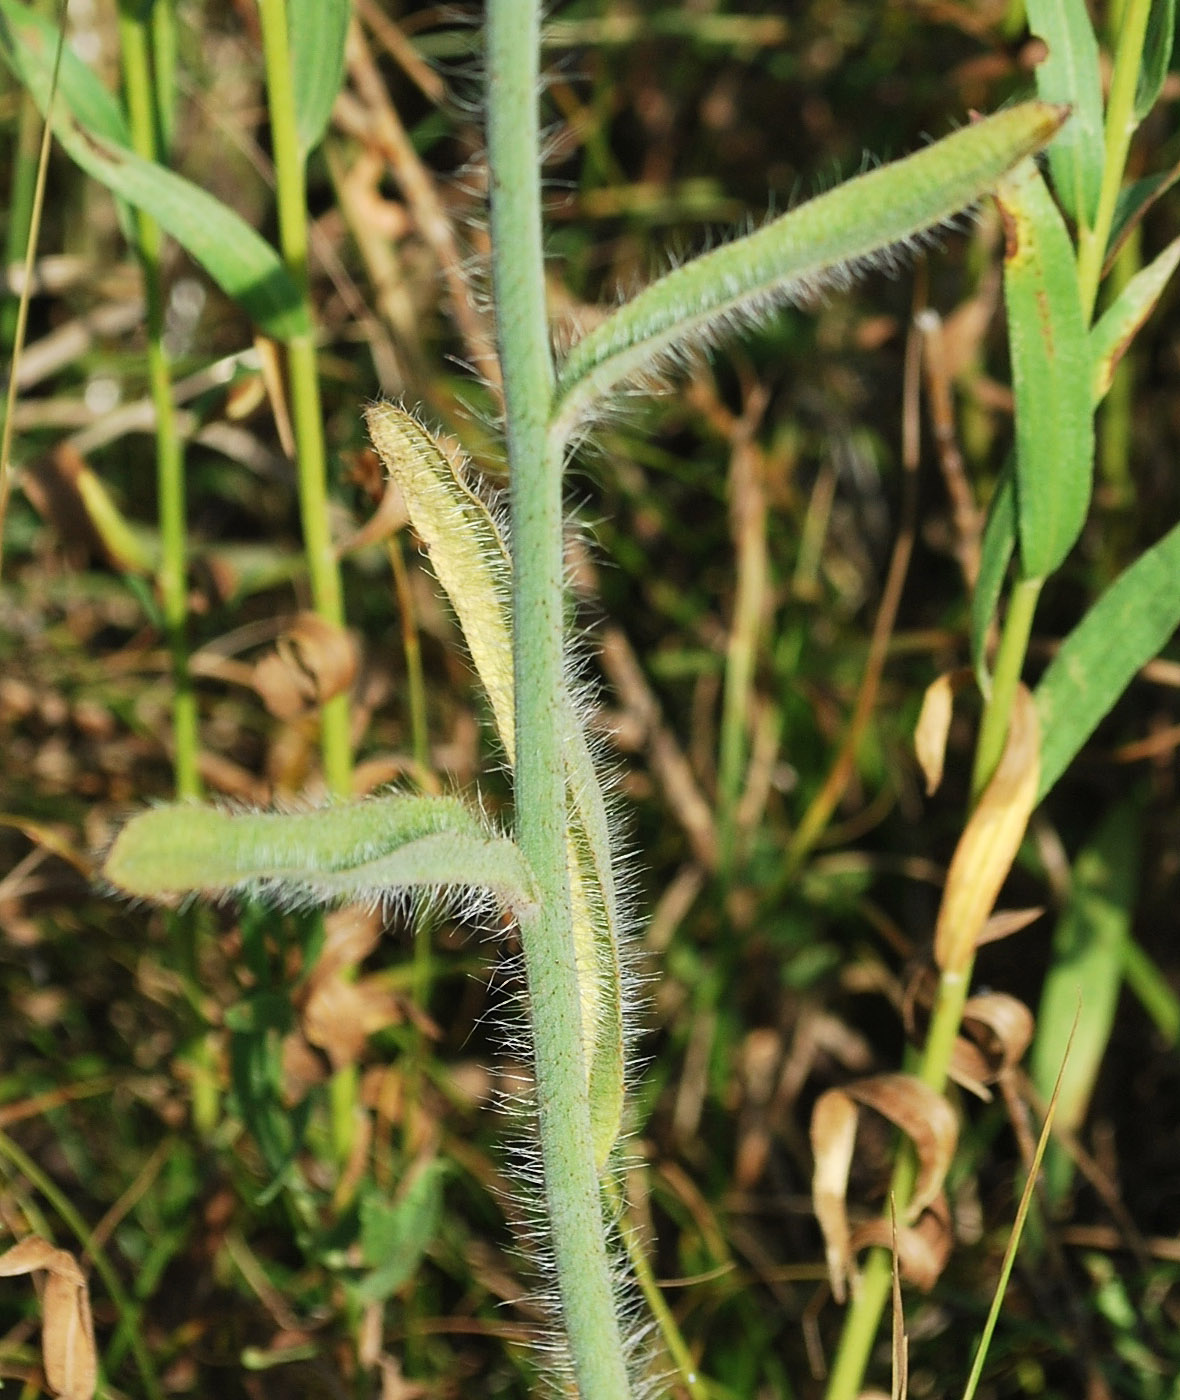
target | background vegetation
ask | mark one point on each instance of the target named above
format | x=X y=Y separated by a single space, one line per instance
x=165 y=1085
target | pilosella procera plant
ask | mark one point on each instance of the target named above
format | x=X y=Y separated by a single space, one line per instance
x=555 y=875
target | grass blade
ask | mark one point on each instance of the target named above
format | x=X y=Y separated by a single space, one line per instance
x=318 y=31
x=1120 y=322
x=1124 y=629
x=91 y=130
x=1070 y=75
x=1050 y=373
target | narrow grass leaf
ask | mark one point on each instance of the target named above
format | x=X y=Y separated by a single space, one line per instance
x=1120 y=322
x=1124 y=629
x=989 y=841
x=1157 y=56
x=358 y=852
x=1070 y=75
x=236 y=257
x=814 y=245
x=1085 y=975
x=996 y=550
x=472 y=562
x=318 y=30
x=1050 y=357
x=1026 y=1196
x=1134 y=200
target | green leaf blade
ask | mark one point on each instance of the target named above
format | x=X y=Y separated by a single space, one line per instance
x=807 y=247
x=88 y=124
x=318 y=32
x=1125 y=629
x=1070 y=75
x=1119 y=323
x=995 y=554
x=362 y=851
x=1157 y=56
x=1049 y=348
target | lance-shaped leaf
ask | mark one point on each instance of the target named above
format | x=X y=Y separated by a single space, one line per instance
x=1120 y=322
x=472 y=562
x=1124 y=629
x=1050 y=373
x=989 y=841
x=318 y=30
x=90 y=127
x=357 y=852
x=1069 y=74
x=1157 y=55
x=814 y=245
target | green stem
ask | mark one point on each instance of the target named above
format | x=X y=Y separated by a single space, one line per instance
x=748 y=505
x=1010 y=655
x=144 y=118
x=573 y=1203
x=327 y=592
x=303 y=378
x=1120 y=127
x=21 y=191
x=863 y=1319
x=170 y=484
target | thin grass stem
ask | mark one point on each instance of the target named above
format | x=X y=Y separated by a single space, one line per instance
x=1120 y=127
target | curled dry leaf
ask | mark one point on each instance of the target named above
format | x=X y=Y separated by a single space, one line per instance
x=924 y=1115
x=998 y=1029
x=67 y=1334
x=990 y=841
x=312 y=662
x=934 y=724
x=921 y=1249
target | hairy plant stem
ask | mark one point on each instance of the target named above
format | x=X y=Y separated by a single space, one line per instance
x=567 y=1150
x=323 y=568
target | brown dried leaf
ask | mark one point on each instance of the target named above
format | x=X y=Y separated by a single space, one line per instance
x=312 y=662
x=68 y=1352
x=990 y=841
x=922 y=1249
x=930 y=733
x=917 y=1110
x=339 y=1016
x=350 y=935
x=390 y=517
x=833 y=1133
x=1008 y=922
x=925 y=1117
